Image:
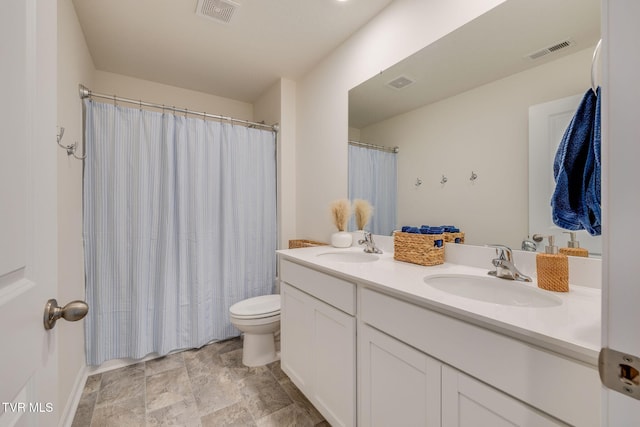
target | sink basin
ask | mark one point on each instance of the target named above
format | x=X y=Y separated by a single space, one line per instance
x=348 y=256
x=492 y=290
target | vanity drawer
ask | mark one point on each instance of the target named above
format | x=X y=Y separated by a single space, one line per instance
x=336 y=292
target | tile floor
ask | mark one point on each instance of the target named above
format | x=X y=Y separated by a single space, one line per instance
x=204 y=387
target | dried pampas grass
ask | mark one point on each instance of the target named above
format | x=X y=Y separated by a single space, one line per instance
x=340 y=212
x=363 y=211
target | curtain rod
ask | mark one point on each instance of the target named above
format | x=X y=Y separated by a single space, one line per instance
x=86 y=93
x=375 y=147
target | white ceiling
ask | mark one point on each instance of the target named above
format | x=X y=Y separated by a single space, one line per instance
x=166 y=42
x=491 y=47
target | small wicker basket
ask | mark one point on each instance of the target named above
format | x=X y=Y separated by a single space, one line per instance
x=418 y=248
x=451 y=237
x=302 y=243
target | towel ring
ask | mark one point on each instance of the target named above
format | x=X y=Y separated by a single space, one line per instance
x=594 y=65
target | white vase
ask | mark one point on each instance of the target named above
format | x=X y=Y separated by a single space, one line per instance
x=341 y=239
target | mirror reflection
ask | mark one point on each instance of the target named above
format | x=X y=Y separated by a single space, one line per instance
x=458 y=111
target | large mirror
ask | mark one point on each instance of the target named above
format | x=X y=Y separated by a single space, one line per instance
x=458 y=111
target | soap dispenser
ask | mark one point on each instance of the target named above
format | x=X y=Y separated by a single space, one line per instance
x=573 y=246
x=552 y=268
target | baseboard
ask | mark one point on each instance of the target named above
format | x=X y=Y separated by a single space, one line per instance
x=74 y=398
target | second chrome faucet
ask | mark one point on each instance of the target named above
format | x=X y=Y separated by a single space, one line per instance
x=369 y=245
x=505 y=268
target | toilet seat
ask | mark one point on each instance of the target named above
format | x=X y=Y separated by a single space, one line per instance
x=257 y=307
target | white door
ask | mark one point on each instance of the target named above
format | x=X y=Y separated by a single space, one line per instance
x=28 y=218
x=621 y=197
x=547 y=124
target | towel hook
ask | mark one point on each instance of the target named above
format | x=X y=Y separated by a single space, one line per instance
x=473 y=177
x=444 y=180
x=418 y=182
x=71 y=149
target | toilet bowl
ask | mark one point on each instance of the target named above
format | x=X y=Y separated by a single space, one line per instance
x=258 y=318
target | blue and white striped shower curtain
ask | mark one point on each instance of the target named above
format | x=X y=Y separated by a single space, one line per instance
x=373 y=177
x=179 y=224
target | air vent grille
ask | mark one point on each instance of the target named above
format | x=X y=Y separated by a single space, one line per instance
x=219 y=10
x=400 y=82
x=550 y=49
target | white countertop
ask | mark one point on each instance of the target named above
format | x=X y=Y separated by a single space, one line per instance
x=571 y=328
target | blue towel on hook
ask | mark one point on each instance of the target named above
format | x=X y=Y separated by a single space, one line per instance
x=575 y=202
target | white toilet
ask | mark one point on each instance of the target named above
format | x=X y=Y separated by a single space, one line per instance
x=259 y=319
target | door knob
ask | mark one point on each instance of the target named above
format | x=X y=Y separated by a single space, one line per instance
x=73 y=311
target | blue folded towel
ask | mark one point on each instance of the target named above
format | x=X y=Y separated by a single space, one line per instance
x=575 y=202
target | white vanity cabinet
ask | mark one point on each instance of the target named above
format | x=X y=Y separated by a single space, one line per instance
x=479 y=377
x=318 y=340
x=422 y=362
x=400 y=385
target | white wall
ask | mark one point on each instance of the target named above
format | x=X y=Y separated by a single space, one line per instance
x=484 y=130
x=74 y=66
x=278 y=105
x=400 y=30
x=133 y=88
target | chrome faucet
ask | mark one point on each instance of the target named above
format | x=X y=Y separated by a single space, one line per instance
x=505 y=268
x=369 y=245
x=529 y=245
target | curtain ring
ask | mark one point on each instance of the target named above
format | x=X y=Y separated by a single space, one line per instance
x=140 y=104
x=162 y=108
x=114 y=101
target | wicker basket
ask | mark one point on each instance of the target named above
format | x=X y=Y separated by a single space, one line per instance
x=451 y=237
x=301 y=243
x=418 y=248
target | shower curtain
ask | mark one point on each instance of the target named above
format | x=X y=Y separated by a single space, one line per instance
x=179 y=224
x=373 y=177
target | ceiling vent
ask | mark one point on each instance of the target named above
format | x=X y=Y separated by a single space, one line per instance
x=400 y=82
x=218 y=10
x=554 y=48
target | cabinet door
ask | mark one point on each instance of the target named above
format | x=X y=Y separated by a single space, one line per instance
x=398 y=384
x=334 y=348
x=467 y=402
x=318 y=353
x=296 y=326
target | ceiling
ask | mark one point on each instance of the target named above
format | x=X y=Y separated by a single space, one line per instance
x=492 y=46
x=166 y=42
